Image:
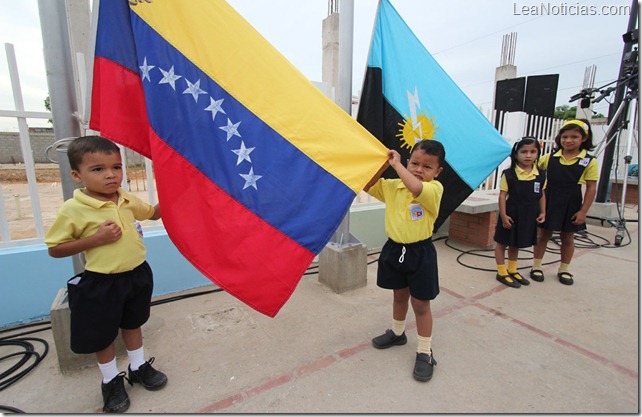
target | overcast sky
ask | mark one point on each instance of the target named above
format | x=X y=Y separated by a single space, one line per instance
x=464 y=36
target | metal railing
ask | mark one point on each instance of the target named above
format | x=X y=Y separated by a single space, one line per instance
x=135 y=177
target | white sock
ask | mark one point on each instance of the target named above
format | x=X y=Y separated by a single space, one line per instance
x=398 y=327
x=423 y=345
x=109 y=370
x=136 y=358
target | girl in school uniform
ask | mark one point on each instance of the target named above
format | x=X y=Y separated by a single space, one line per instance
x=568 y=167
x=521 y=206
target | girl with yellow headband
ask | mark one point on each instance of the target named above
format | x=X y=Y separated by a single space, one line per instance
x=568 y=168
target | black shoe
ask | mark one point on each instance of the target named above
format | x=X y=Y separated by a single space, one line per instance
x=114 y=395
x=565 y=278
x=537 y=275
x=507 y=280
x=519 y=278
x=388 y=339
x=423 y=367
x=149 y=377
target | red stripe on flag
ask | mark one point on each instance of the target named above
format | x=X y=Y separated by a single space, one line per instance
x=247 y=257
x=118 y=109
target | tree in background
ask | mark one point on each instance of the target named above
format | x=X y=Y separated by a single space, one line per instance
x=48 y=107
x=567 y=112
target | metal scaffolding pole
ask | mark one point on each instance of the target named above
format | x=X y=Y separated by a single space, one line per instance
x=62 y=91
x=607 y=162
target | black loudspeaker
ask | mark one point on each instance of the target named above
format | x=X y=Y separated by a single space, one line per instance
x=541 y=93
x=509 y=94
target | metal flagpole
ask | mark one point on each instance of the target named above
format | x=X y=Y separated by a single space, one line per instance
x=61 y=85
x=342 y=236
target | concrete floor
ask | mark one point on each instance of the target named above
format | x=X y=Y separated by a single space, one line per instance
x=545 y=348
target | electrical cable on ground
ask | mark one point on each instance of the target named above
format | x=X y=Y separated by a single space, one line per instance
x=582 y=240
x=25 y=354
x=17 y=340
x=10 y=409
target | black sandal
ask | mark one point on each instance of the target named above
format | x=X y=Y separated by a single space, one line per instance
x=519 y=278
x=565 y=278
x=504 y=279
x=537 y=275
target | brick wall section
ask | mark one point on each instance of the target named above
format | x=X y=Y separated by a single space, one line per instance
x=632 y=192
x=473 y=222
x=41 y=138
x=473 y=229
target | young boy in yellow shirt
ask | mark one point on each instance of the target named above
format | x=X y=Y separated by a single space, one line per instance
x=114 y=292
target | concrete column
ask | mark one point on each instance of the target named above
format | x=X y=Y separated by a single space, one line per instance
x=343 y=268
x=505 y=72
x=342 y=263
x=330 y=62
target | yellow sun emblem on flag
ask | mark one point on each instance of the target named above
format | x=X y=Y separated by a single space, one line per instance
x=424 y=128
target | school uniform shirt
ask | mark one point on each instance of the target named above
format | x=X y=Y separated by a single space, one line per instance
x=522 y=205
x=82 y=215
x=408 y=219
x=590 y=173
x=521 y=176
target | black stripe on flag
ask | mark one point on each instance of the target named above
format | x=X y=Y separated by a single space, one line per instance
x=385 y=123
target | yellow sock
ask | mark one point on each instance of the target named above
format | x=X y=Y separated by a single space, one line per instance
x=501 y=270
x=537 y=264
x=423 y=344
x=398 y=327
x=563 y=268
x=512 y=266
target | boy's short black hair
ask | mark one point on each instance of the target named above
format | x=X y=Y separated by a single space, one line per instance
x=88 y=144
x=431 y=147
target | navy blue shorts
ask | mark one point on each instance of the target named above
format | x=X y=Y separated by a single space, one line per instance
x=100 y=304
x=412 y=265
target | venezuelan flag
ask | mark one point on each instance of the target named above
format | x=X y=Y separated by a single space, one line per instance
x=407 y=96
x=255 y=167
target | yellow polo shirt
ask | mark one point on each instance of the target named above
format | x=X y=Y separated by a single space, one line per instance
x=521 y=175
x=408 y=219
x=590 y=173
x=81 y=216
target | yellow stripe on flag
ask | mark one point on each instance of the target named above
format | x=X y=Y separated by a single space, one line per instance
x=215 y=38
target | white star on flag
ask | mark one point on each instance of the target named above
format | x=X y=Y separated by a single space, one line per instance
x=169 y=77
x=215 y=107
x=194 y=89
x=145 y=70
x=250 y=179
x=231 y=129
x=243 y=154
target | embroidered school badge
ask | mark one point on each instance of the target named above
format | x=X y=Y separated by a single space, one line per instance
x=416 y=212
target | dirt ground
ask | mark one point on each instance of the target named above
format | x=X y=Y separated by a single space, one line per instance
x=19 y=206
x=19 y=175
